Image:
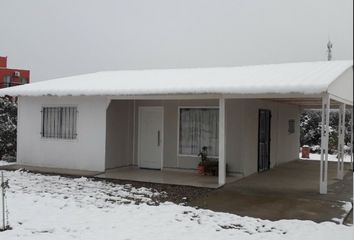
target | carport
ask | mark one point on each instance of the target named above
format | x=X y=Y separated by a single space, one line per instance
x=337 y=97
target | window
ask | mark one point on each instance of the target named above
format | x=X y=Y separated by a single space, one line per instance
x=23 y=80
x=59 y=122
x=7 y=81
x=198 y=127
x=291 y=127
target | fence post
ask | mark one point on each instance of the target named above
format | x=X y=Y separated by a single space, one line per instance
x=3 y=200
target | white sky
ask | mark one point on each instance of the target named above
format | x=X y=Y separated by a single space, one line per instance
x=67 y=37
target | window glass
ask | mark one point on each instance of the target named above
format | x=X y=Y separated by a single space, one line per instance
x=7 y=81
x=199 y=127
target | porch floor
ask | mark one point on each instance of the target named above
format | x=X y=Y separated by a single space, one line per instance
x=174 y=177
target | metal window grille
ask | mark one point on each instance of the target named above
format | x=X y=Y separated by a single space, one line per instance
x=59 y=122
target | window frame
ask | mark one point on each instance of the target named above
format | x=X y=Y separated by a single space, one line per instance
x=56 y=138
x=178 y=129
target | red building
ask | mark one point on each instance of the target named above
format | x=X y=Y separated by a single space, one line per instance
x=12 y=77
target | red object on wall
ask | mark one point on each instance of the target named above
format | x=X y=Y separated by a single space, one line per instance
x=12 y=77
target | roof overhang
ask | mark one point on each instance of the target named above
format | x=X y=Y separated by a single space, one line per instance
x=298 y=83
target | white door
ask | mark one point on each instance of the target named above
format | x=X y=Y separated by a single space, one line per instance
x=150 y=137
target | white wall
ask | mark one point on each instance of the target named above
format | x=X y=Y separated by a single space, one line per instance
x=242 y=134
x=107 y=141
x=119 y=134
x=288 y=145
x=87 y=152
x=170 y=156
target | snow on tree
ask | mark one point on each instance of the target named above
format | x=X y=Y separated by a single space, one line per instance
x=8 y=127
x=310 y=129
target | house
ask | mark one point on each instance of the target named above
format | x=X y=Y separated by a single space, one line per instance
x=12 y=77
x=247 y=117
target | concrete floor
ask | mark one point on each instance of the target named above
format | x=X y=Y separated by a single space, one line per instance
x=289 y=191
x=174 y=177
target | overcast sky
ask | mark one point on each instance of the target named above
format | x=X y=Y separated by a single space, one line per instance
x=66 y=37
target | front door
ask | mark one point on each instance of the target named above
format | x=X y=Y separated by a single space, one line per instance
x=264 y=121
x=150 y=137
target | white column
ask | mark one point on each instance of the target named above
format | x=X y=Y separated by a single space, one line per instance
x=324 y=143
x=340 y=149
x=222 y=161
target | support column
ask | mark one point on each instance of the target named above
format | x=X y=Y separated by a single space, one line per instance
x=340 y=149
x=222 y=160
x=324 y=144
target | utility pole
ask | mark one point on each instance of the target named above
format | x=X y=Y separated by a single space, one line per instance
x=329 y=50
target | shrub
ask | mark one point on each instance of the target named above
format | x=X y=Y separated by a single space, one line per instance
x=8 y=127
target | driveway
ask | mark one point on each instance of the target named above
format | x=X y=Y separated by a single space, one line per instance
x=289 y=191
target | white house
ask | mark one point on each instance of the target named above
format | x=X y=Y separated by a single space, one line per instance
x=248 y=117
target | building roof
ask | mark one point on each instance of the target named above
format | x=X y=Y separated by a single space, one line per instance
x=302 y=78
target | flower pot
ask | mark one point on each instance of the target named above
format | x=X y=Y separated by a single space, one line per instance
x=201 y=169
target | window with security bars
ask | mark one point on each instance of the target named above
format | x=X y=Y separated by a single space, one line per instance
x=59 y=122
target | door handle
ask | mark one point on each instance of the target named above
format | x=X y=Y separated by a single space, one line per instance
x=158 y=138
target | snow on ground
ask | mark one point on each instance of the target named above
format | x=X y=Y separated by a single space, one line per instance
x=347 y=207
x=53 y=207
x=3 y=163
x=331 y=157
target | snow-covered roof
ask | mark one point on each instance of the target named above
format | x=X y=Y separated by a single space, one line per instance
x=304 y=78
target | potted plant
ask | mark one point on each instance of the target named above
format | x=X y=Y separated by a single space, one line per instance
x=203 y=159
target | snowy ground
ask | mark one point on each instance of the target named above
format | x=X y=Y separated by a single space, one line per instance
x=3 y=163
x=331 y=157
x=53 y=207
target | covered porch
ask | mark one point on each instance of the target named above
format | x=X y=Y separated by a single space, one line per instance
x=182 y=170
x=143 y=137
